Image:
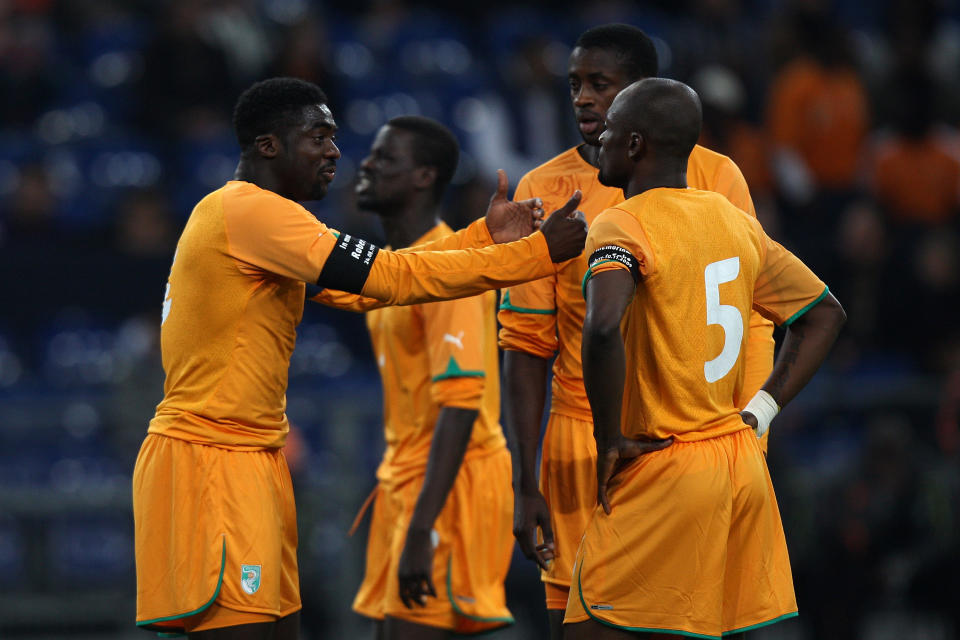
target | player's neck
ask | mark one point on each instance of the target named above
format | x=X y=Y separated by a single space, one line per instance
x=670 y=178
x=590 y=154
x=255 y=174
x=403 y=228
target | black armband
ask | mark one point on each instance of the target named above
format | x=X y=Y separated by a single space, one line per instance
x=610 y=252
x=348 y=265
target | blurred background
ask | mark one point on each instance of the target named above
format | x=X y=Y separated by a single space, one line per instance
x=115 y=120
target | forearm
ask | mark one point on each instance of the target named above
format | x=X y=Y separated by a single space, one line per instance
x=451 y=436
x=414 y=277
x=524 y=379
x=805 y=346
x=604 y=372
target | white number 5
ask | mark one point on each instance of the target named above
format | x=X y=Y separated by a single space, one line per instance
x=167 y=300
x=725 y=315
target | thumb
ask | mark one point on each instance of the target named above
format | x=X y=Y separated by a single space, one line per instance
x=502 y=185
x=570 y=206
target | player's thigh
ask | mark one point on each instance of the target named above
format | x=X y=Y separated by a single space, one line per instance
x=555 y=618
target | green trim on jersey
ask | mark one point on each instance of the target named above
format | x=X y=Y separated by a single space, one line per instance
x=785 y=616
x=506 y=305
x=820 y=297
x=216 y=592
x=453 y=601
x=688 y=634
x=454 y=371
x=588 y=273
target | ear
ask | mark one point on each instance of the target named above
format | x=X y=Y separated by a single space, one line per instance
x=637 y=146
x=267 y=145
x=424 y=177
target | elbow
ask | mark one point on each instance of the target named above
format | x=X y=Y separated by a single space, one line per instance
x=838 y=317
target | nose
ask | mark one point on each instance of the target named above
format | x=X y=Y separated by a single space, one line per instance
x=366 y=163
x=582 y=97
x=333 y=152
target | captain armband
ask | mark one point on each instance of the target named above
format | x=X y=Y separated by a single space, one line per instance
x=348 y=265
x=612 y=252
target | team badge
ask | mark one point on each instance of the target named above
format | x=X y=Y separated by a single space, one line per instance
x=250 y=578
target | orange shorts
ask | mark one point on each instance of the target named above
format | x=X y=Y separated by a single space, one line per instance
x=568 y=482
x=212 y=526
x=471 y=559
x=693 y=545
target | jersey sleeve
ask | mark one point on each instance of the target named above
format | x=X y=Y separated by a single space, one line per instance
x=785 y=288
x=454 y=335
x=730 y=183
x=346 y=301
x=476 y=235
x=270 y=233
x=528 y=311
x=428 y=276
x=616 y=240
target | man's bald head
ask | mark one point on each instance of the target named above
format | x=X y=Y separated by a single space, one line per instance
x=665 y=112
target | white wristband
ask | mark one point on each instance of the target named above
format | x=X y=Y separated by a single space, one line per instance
x=765 y=408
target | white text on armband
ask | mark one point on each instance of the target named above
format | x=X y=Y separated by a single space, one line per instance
x=621 y=255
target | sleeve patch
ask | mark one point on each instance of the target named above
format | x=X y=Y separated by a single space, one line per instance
x=610 y=252
x=348 y=265
x=454 y=371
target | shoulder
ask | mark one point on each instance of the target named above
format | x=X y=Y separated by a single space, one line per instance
x=709 y=161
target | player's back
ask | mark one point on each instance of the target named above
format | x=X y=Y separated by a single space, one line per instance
x=685 y=328
x=525 y=308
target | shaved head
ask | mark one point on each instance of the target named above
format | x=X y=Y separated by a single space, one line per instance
x=665 y=112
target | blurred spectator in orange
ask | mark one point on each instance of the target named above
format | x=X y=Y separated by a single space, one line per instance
x=916 y=174
x=817 y=110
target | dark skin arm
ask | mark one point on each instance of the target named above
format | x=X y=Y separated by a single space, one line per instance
x=451 y=436
x=805 y=346
x=524 y=378
x=604 y=373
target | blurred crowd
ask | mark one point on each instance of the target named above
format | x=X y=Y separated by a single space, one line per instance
x=843 y=116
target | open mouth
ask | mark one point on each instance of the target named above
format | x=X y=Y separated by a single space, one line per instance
x=588 y=126
x=329 y=173
x=363 y=183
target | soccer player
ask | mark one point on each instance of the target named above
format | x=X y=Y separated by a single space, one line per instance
x=545 y=318
x=215 y=523
x=442 y=514
x=687 y=540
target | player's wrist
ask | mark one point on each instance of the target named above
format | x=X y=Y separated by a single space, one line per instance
x=764 y=408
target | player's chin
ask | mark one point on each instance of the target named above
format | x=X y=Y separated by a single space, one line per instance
x=319 y=191
x=592 y=139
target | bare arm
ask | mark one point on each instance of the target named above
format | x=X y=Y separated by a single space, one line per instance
x=524 y=379
x=450 y=439
x=805 y=346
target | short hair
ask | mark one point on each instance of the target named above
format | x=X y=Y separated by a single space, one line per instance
x=272 y=106
x=434 y=146
x=634 y=49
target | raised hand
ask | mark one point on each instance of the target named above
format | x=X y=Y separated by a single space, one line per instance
x=508 y=220
x=566 y=230
x=530 y=511
x=610 y=459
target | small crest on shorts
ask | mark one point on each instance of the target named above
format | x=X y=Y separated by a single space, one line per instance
x=250 y=578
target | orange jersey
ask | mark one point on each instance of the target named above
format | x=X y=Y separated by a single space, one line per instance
x=235 y=295
x=701 y=264
x=441 y=354
x=546 y=316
